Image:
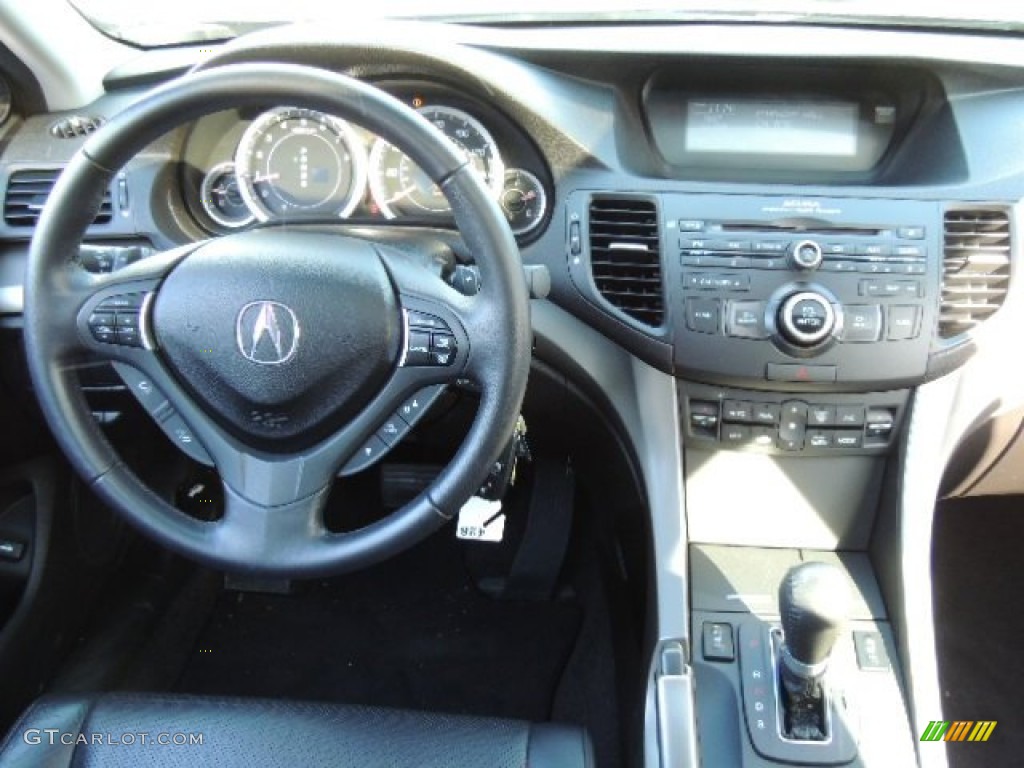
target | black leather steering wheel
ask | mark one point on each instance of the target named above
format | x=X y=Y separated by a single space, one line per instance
x=337 y=319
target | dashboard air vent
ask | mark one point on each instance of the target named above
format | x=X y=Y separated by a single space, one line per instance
x=625 y=258
x=975 y=268
x=75 y=126
x=26 y=195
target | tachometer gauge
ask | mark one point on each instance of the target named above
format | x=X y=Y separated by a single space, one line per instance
x=400 y=188
x=523 y=200
x=222 y=199
x=298 y=163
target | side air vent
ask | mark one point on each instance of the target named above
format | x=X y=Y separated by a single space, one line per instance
x=625 y=257
x=975 y=268
x=26 y=195
x=75 y=126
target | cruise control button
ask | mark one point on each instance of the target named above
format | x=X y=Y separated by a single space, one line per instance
x=418 y=351
x=413 y=409
x=144 y=390
x=442 y=342
x=442 y=357
x=368 y=454
x=182 y=436
x=393 y=430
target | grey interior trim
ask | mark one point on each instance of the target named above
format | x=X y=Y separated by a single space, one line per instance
x=41 y=32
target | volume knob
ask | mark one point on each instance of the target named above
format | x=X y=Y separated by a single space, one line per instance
x=806 y=255
x=806 y=319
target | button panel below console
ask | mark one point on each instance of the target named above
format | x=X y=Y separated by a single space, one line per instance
x=790 y=424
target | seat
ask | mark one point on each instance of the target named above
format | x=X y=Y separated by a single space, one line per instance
x=132 y=730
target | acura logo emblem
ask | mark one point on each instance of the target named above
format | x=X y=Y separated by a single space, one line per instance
x=267 y=332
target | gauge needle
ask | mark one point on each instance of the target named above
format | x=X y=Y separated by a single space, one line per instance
x=404 y=193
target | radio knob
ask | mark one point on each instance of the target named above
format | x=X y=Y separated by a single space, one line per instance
x=806 y=319
x=806 y=255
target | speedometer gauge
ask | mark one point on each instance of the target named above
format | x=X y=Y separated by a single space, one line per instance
x=299 y=163
x=400 y=188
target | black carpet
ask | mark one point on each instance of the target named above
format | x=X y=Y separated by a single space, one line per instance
x=979 y=614
x=412 y=632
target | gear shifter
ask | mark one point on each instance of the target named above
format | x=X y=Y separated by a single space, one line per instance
x=814 y=602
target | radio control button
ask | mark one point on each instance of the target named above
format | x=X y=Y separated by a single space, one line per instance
x=770 y=246
x=690 y=225
x=911 y=233
x=745 y=320
x=838 y=249
x=702 y=315
x=839 y=266
x=806 y=254
x=862 y=323
x=914 y=251
x=874 y=249
x=903 y=322
x=883 y=288
x=806 y=319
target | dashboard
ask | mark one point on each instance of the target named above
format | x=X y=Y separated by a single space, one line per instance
x=281 y=165
x=783 y=259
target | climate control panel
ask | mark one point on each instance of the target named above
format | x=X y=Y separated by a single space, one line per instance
x=810 y=292
x=795 y=424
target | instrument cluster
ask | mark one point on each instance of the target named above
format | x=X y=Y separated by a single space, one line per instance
x=289 y=164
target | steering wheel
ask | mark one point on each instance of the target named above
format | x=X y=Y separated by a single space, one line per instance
x=283 y=349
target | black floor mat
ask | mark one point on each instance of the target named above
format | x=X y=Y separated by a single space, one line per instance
x=979 y=616
x=411 y=633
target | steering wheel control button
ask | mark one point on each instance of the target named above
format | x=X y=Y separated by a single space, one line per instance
x=423 y=320
x=806 y=319
x=183 y=437
x=417 y=352
x=862 y=323
x=703 y=315
x=412 y=410
x=806 y=255
x=102 y=326
x=745 y=320
x=11 y=550
x=442 y=349
x=144 y=390
x=369 y=453
x=393 y=430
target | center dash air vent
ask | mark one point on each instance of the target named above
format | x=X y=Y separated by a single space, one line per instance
x=975 y=268
x=26 y=195
x=625 y=258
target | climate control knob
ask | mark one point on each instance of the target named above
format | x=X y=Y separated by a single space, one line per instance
x=806 y=255
x=806 y=319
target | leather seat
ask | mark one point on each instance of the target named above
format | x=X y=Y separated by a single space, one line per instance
x=172 y=731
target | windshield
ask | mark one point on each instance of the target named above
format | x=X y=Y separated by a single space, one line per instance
x=188 y=21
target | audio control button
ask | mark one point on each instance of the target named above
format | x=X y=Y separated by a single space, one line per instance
x=745 y=320
x=806 y=254
x=806 y=319
x=862 y=323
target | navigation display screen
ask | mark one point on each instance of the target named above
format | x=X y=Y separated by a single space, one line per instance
x=751 y=127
